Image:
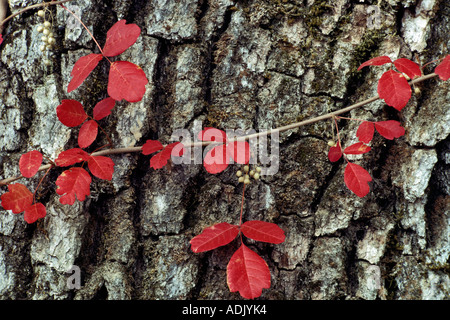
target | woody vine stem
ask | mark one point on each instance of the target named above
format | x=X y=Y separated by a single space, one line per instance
x=243 y=138
x=294 y=125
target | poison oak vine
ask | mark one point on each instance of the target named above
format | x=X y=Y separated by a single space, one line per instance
x=247 y=272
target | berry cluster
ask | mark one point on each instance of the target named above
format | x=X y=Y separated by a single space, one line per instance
x=247 y=174
x=48 y=39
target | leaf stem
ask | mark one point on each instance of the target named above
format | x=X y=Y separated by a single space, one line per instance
x=40 y=181
x=84 y=26
x=354 y=119
x=242 y=206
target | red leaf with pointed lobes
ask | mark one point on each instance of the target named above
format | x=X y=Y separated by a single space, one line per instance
x=88 y=133
x=356 y=178
x=101 y=167
x=410 y=68
x=17 y=199
x=263 y=231
x=103 y=108
x=213 y=237
x=357 y=148
x=34 y=212
x=365 y=131
x=217 y=159
x=390 y=129
x=126 y=81
x=71 y=113
x=71 y=156
x=247 y=273
x=1 y=39
x=335 y=153
x=120 y=37
x=377 y=61
x=29 y=163
x=160 y=160
x=73 y=184
x=151 y=146
x=82 y=68
x=394 y=89
x=443 y=69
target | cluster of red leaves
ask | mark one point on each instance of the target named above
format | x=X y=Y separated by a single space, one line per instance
x=220 y=154
x=394 y=89
x=393 y=86
x=74 y=183
x=356 y=178
x=19 y=198
x=247 y=272
x=159 y=160
x=126 y=80
x=71 y=113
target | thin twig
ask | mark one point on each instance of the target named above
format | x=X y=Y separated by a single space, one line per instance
x=85 y=27
x=34 y=6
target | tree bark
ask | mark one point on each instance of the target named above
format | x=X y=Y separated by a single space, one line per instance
x=233 y=64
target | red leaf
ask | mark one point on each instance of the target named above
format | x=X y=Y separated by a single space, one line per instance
x=213 y=237
x=212 y=134
x=335 y=153
x=356 y=179
x=151 y=146
x=390 y=129
x=120 y=37
x=29 y=163
x=17 y=199
x=1 y=39
x=73 y=183
x=357 y=148
x=160 y=160
x=177 y=149
x=394 y=89
x=71 y=156
x=443 y=69
x=34 y=212
x=71 y=113
x=101 y=167
x=239 y=151
x=103 y=108
x=263 y=231
x=126 y=81
x=82 y=68
x=88 y=133
x=247 y=273
x=216 y=160
x=377 y=61
x=408 y=67
x=365 y=131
